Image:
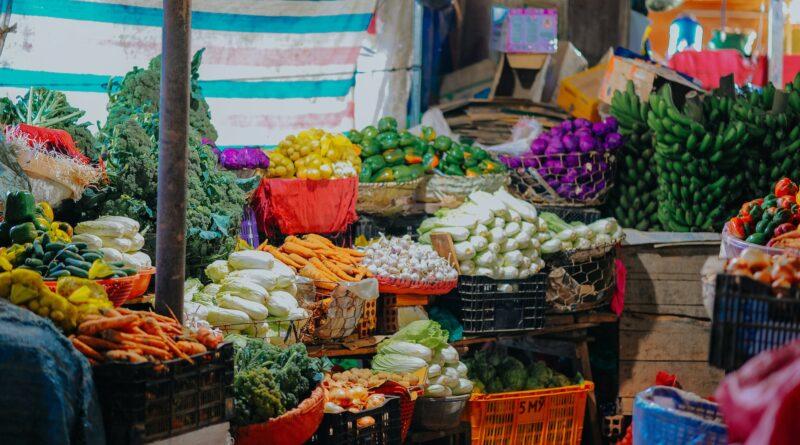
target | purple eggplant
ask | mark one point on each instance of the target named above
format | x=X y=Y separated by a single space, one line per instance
x=570 y=142
x=539 y=145
x=612 y=141
x=611 y=124
x=587 y=144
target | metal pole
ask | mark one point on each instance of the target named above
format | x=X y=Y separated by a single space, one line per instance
x=416 y=66
x=172 y=157
x=775 y=42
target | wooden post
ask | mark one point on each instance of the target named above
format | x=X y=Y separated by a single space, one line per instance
x=173 y=157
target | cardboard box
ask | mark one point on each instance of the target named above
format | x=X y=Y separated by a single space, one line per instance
x=578 y=93
x=524 y=30
x=518 y=76
x=646 y=78
x=471 y=81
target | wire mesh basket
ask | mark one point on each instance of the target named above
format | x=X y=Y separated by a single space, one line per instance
x=275 y=331
x=570 y=179
x=335 y=314
x=581 y=280
x=586 y=215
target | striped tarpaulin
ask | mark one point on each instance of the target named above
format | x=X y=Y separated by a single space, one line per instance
x=271 y=67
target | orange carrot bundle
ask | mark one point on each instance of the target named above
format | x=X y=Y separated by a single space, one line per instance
x=92 y=327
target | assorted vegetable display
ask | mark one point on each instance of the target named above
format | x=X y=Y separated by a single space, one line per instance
x=314 y=154
x=634 y=198
x=495 y=235
x=117 y=237
x=575 y=158
x=404 y=259
x=577 y=235
x=354 y=390
x=771 y=220
x=25 y=220
x=494 y=371
x=780 y=272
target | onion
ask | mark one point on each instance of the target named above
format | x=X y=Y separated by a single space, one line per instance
x=611 y=123
x=567 y=125
x=613 y=141
x=572 y=160
x=599 y=128
x=357 y=392
x=570 y=142
x=582 y=123
x=587 y=143
x=570 y=177
x=538 y=146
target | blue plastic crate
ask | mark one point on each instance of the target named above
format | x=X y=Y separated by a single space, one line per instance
x=666 y=416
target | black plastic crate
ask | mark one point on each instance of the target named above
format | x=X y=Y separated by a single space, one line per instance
x=492 y=306
x=749 y=319
x=592 y=276
x=342 y=429
x=146 y=402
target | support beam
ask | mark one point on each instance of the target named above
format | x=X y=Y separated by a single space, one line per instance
x=416 y=65
x=775 y=26
x=173 y=157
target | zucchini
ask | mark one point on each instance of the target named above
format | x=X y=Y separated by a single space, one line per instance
x=91 y=257
x=77 y=271
x=70 y=254
x=80 y=246
x=58 y=274
x=37 y=249
x=48 y=257
x=34 y=262
x=129 y=271
x=117 y=264
x=71 y=247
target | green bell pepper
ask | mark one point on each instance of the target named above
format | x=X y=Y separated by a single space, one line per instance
x=369 y=132
x=453 y=170
x=407 y=139
x=385 y=174
x=402 y=173
x=473 y=172
x=389 y=140
x=442 y=143
x=387 y=123
x=23 y=233
x=374 y=163
x=470 y=161
x=428 y=134
x=417 y=170
x=394 y=157
x=354 y=136
x=430 y=160
x=366 y=173
x=20 y=207
x=757 y=238
x=412 y=155
x=370 y=147
x=487 y=166
x=455 y=154
x=479 y=154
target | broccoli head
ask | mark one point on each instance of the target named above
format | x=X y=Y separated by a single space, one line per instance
x=558 y=380
x=513 y=374
x=494 y=386
x=257 y=397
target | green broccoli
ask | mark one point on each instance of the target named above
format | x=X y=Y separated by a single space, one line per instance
x=558 y=380
x=494 y=386
x=257 y=397
x=513 y=374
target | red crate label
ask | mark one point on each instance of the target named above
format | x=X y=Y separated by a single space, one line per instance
x=528 y=411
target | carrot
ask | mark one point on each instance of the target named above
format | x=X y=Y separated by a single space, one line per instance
x=320 y=280
x=99 y=343
x=299 y=260
x=338 y=271
x=320 y=239
x=316 y=262
x=313 y=245
x=282 y=257
x=84 y=349
x=353 y=252
x=150 y=350
x=125 y=356
x=146 y=339
x=170 y=343
x=191 y=347
x=93 y=326
x=298 y=249
x=160 y=317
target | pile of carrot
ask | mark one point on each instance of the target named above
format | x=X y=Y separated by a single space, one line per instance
x=317 y=258
x=123 y=335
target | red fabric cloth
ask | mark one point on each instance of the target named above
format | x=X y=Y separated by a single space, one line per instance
x=761 y=401
x=618 y=299
x=56 y=140
x=298 y=206
x=709 y=66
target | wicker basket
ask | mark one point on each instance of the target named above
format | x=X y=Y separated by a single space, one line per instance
x=453 y=190
x=386 y=198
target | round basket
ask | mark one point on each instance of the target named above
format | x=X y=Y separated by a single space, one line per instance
x=574 y=179
x=389 y=285
x=732 y=247
x=142 y=283
x=294 y=427
x=581 y=279
x=118 y=289
x=453 y=190
x=386 y=198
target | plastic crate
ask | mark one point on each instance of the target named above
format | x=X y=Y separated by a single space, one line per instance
x=538 y=417
x=578 y=93
x=369 y=319
x=748 y=319
x=486 y=307
x=118 y=289
x=342 y=429
x=146 y=402
x=662 y=414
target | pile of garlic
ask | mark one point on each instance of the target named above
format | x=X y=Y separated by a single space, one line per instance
x=404 y=259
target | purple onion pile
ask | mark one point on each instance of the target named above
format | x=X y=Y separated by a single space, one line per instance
x=573 y=158
x=243 y=158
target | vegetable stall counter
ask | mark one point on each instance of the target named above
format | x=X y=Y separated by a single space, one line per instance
x=556 y=323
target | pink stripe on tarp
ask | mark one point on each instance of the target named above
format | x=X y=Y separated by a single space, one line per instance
x=224 y=55
x=297 y=122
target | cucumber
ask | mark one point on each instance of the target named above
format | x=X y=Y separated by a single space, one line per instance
x=71 y=247
x=48 y=257
x=54 y=267
x=93 y=252
x=91 y=257
x=34 y=262
x=54 y=247
x=117 y=264
x=45 y=240
x=37 y=249
x=65 y=253
x=77 y=271
x=57 y=274
x=129 y=271
x=80 y=246
x=76 y=263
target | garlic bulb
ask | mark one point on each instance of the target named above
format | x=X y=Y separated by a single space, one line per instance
x=402 y=258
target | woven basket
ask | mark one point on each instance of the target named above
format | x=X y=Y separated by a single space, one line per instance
x=386 y=198
x=453 y=190
x=294 y=427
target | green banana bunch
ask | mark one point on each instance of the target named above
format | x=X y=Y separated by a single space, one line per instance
x=697 y=154
x=633 y=200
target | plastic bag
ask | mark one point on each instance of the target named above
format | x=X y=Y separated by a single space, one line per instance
x=761 y=400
